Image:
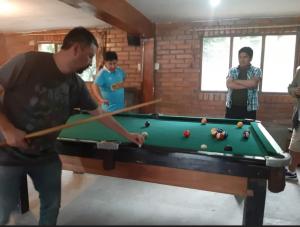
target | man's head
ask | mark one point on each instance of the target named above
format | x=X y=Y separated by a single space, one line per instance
x=245 y=56
x=111 y=60
x=82 y=46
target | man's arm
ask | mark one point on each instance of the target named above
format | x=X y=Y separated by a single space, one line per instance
x=9 y=73
x=230 y=83
x=13 y=136
x=97 y=94
x=293 y=88
x=253 y=83
x=110 y=122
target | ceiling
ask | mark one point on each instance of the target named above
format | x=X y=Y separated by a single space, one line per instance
x=38 y=15
x=166 y=11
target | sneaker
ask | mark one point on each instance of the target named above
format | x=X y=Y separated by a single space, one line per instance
x=292 y=176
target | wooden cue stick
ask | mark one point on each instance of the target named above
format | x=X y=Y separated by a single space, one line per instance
x=82 y=121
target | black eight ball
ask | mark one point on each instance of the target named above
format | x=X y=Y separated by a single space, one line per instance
x=147 y=124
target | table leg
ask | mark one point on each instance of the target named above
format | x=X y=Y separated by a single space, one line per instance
x=24 y=199
x=254 y=206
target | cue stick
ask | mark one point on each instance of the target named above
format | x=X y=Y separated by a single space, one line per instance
x=82 y=121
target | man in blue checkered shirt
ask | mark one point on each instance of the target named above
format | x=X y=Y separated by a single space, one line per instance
x=242 y=83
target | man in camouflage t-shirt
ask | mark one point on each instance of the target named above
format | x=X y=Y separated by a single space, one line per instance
x=40 y=91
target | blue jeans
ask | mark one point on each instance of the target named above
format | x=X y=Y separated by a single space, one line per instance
x=46 y=180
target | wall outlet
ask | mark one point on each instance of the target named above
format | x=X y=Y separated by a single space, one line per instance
x=156 y=66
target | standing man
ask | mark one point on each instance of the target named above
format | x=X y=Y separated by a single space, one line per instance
x=294 y=148
x=242 y=83
x=108 y=87
x=40 y=91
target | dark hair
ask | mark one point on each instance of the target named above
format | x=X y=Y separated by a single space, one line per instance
x=110 y=56
x=79 y=35
x=247 y=50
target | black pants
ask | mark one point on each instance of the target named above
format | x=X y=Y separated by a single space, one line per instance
x=239 y=112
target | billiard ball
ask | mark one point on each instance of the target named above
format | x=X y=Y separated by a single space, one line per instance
x=220 y=130
x=203 y=121
x=220 y=136
x=228 y=148
x=203 y=147
x=225 y=133
x=147 y=124
x=145 y=135
x=213 y=132
x=239 y=124
x=186 y=133
x=246 y=134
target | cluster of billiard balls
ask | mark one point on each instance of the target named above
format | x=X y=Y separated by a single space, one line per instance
x=219 y=133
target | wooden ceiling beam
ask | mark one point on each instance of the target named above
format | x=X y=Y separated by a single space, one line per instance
x=118 y=13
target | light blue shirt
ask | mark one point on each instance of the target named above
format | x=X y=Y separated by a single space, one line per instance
x=105 y=81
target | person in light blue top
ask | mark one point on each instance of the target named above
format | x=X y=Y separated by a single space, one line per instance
x=108 y=87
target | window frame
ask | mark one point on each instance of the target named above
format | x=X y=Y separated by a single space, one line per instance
x=261 y=60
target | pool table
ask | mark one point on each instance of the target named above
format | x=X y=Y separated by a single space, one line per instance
x=167 y=157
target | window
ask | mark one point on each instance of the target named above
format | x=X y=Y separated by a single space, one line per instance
x=278 y=71
x=216 y=52
x=255 y=42
x=278 y=63
x=49 y=47
x=88 y=75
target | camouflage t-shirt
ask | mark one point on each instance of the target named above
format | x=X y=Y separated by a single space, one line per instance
x=38 y=96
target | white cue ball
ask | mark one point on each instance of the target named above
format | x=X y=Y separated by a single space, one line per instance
x=203 y=147
x=145 y=134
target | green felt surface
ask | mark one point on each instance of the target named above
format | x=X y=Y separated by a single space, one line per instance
x=168 y=132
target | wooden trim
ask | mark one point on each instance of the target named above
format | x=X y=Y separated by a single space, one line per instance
x=148 y=74
x=162 y=175
x=118 y=13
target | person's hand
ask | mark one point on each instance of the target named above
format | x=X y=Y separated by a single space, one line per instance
x=103 y=101
x=136 y=138
x=106 y=102
x=16 y=138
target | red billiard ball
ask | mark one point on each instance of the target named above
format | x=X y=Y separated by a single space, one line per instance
x=186 y=133
x=220 y=136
